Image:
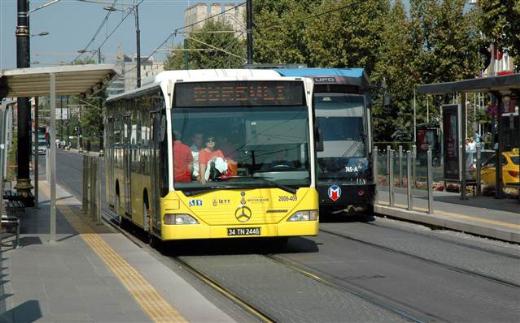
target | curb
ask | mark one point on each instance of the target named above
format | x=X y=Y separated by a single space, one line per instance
x=485 y=230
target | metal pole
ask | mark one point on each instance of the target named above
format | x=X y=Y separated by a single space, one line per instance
x=3 y=147
x=249 y=18
x=414 y=162
x=52 y=166
x=463 y=147
x=138 y=44
x=391 y=177
x=427 y=110
x=36 y=154
x=498 y=151
x=409 y=179
x=186 y=55
x=430 y=182
x=414 y=119
x=400 y=166
x=92 y=187
x=374 y=170
x=84 y=195
x=98 y=190
x=48 y=164
x=23 y=155
x=479 y=167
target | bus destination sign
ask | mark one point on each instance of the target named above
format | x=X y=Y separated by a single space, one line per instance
x=239 y=93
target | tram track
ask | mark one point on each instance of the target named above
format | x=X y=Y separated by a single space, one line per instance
x=450 y=241
x=424 y=259
x=200 y=275
x=404 y=310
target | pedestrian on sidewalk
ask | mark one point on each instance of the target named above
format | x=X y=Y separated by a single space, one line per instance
x=471 y=149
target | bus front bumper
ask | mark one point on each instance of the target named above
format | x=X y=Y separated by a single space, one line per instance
x=203 y=231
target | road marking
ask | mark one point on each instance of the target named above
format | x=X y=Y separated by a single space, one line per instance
x=460 y=216
x=152 y=303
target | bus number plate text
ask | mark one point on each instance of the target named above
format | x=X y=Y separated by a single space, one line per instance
x=243 y=231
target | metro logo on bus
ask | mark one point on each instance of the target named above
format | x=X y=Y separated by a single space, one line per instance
x=334 y=192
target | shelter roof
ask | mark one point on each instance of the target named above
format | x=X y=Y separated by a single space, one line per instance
x=488 y=84
x=70 y=80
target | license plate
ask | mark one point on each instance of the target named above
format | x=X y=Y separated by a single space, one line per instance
x=243 y=231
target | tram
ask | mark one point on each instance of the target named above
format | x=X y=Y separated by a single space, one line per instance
x=344 y=163
x=202 y=154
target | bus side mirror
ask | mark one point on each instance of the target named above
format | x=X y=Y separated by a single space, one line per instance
x=318 y=139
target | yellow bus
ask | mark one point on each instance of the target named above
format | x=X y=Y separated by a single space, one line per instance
x=202 y=154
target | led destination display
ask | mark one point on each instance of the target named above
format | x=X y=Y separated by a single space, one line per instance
x=240 y=93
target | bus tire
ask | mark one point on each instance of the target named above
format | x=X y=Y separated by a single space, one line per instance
x=369 y=214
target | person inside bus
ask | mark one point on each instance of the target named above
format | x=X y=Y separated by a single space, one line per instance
x=197 y=140
x=207 y=155
x=182 y=160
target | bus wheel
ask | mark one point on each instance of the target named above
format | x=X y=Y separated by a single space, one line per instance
x=368 y=214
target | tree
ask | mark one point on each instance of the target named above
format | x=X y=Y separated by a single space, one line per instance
x=213 y=46
x=347 y=33
x=500 y=23
x=395 y=65
x=279 y=31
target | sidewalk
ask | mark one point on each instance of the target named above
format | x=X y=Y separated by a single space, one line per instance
x=482 y=215
x=91 y=274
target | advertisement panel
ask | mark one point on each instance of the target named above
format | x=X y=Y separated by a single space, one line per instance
x=451 y=127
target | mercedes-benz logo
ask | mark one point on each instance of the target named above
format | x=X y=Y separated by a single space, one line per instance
x=243 y=214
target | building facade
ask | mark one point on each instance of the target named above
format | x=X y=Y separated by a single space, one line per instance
x=229 y=13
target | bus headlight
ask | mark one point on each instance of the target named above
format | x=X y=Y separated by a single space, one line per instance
x=179 y=219
x=310 y=215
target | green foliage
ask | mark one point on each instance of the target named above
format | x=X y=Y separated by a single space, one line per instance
x=500 y=23
x=220 y=49
x=350 y=34
x=396 y=66
x=279 y=33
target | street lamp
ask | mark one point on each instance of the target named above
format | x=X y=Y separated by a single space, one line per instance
x=135 y=9
x=94 y=51
x=43 y=33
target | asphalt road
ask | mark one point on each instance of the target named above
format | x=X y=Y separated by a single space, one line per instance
x=371 y=272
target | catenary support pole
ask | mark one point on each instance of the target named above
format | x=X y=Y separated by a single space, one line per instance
x=36 y=145
x=249 y=23
x=52 y=157
x=23 y=155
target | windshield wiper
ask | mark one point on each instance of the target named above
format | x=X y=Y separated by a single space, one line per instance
x=276 y=184
x=228 y=187
x=208 y=189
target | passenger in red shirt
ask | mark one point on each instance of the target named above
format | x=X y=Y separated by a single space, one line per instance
x=182 y=160
x=206 y=154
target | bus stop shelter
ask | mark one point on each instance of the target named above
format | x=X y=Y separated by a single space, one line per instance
x=51 y=81
x=506 y=90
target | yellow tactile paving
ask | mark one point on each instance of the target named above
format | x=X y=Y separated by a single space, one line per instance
x=152 y=303
x=462 y=217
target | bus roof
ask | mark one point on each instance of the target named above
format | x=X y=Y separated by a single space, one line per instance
x=347 y=76
x=218 y=75
x=311 y=72
x=202 y=75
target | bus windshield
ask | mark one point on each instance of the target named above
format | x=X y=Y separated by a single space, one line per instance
x=260 y=141
x=341 y=120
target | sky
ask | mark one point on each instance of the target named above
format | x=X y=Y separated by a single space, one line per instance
x=71 y=25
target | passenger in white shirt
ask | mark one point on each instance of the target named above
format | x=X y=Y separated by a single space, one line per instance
x=197 y=141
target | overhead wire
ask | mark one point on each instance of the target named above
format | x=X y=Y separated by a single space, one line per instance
x=103 y=22
x=174 y=33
